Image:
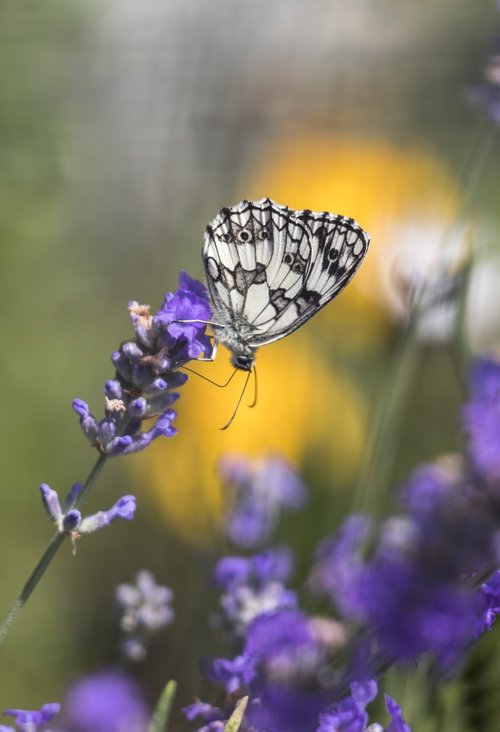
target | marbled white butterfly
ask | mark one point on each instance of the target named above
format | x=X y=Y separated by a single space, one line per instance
x=270 y=268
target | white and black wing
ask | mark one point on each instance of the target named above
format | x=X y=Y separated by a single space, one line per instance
x=270 y=268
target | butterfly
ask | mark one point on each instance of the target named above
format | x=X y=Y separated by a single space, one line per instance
x=270 y=268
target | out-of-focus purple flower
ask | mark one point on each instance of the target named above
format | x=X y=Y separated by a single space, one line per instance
x=233 y=674
x=397 y=723
x=108 y=701
x=486 y=92
x=284 y=645
x=144 y=609
x=146 y=371
x=32 y=721
x=258 y=492
x=481 y=418
x=71 y=522
x=338 y=562
x=253 y=586
x=349 y=715
x=412 y=592
x=215 y=718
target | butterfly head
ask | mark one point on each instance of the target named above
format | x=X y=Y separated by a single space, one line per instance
x=243 y=361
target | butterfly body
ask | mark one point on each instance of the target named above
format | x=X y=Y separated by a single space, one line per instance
x=270 y=268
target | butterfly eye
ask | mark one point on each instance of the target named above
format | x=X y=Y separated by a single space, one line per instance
x=288 y=258
x=333 y=254
x=244 y=236
x=298 y=267
x=264 y=234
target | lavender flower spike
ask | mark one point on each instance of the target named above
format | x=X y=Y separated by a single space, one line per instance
x=147 y=371
x=32 y=721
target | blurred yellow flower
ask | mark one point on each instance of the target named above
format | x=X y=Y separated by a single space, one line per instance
x=307 y=406
x=303 y=407
x=389 y=189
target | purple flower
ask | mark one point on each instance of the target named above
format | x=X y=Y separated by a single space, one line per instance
x=481 y=418
x=253 y=586
x=144 y=609
x=349 y=715
x=339 y=563
x=32 y=721
x=190 y=302
x=124 y=508
x=258 y=492
x=233 y=674
x=345 y=716
x=72 y=522
x=397 y=723
x=283 y=643
x=146 y=372
x=108 y=701
x=215 y=718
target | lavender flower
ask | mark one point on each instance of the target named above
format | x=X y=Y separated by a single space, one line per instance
x=257 y=493
x=233 y=674
x=144 y=609
x=253 y=586
x=215 y=718
x=146 y=371
x=108 y=701
x=412 y=592
x=31 y=721
x=72 y=522
x=349 y=715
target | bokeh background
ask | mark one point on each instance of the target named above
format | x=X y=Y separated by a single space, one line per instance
x=124 y=127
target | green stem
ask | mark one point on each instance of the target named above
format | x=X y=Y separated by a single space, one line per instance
x=380 y=457
x=46 y=559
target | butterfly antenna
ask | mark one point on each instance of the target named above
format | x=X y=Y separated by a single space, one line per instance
x=210 y=381
x=237 y=403
x=254 y=400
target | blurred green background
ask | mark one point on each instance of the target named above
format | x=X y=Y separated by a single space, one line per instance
x=124 y=127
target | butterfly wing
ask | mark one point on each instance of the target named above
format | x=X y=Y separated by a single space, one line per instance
x=270 y=268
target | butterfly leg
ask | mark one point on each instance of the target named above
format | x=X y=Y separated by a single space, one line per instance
x=212 y=355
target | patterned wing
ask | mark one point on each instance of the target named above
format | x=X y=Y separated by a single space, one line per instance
x=270 y=268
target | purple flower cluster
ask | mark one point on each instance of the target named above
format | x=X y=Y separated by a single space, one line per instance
x=252 y=586
x=144 y=608
x=257 y=492
x=284 y=655
x=69 y=520
x=34 y=721
x=428 y=584
x=278 y=670
x=147 y=371
x=350 y=715
x=421 y=589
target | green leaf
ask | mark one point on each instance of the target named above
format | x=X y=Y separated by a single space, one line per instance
x=161 y=714
x=233 y=723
